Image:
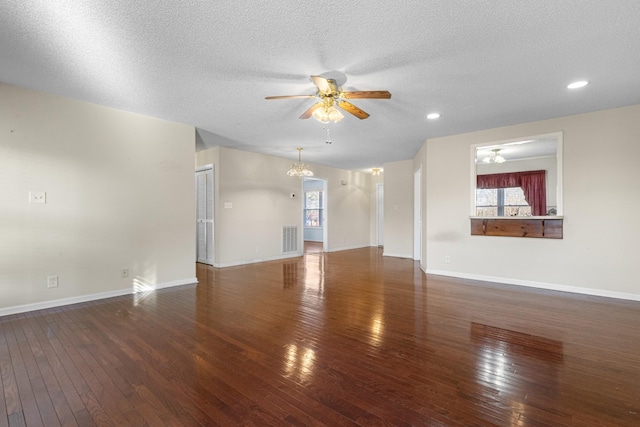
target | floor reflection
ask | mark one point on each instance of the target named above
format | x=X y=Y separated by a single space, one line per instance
x=356 y=326
x=509 y=361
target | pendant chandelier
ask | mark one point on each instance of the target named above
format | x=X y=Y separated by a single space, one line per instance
x=299 y=169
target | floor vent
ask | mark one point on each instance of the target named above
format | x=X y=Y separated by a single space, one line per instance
x=289 y=239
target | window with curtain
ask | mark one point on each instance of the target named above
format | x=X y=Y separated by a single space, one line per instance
x=313 y=208
x=507 y=188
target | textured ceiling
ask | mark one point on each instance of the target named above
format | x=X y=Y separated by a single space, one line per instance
x=481 y=64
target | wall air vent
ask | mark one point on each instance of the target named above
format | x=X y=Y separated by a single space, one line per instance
x=289 y=239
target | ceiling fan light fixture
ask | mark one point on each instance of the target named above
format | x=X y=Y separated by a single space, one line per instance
x=376 y=171
x=334 y=114
x=328 y=114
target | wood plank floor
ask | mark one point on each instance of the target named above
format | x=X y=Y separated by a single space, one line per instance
x=338 y=339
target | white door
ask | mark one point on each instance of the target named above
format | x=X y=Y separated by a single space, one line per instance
x=204 y=215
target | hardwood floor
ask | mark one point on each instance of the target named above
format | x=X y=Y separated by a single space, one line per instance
x=338 y=339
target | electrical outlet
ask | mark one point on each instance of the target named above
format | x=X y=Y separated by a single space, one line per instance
x=52 y=281
x=125 y=273
x=447 y=259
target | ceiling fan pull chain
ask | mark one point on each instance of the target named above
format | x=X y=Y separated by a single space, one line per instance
x=328 y=141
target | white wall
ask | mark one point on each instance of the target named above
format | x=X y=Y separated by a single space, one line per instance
x=601 y=204
x=119 y=190
x=258 y=189
x=373 y=213
x=398 y=208
x=420 y=163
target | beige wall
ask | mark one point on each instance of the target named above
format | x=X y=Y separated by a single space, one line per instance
x=601 y=205
x=258 y=189
x=420 y=163
x=119 y=190
x=373 y=213
x=398 y=209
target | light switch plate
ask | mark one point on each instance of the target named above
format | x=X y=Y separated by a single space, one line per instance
x=37 y=197
x=228 y=205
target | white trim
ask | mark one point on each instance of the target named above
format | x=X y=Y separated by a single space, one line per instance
x=417 y=215
x=257 y=260
x=205 y=167
x=93 y=297
x=539 y=285
x=410 y=256
x=348 y=248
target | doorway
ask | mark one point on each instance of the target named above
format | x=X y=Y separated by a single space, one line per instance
x=204 y=215
x=314 y=214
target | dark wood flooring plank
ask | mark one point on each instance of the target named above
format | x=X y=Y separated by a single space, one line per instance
x=29 y=407
x=46 y=330
x=8 y=384
x=47 y=382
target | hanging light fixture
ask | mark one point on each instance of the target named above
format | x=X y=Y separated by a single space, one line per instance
x=376 y=171
x=299 y=169
x=494 y=157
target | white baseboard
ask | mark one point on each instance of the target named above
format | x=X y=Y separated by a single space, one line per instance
x=539 y=285
x=410 y=256
x=347 y=248
x=137 y=287
x=256 y=260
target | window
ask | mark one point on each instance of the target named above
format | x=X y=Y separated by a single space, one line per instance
x=313 y=208
x=515 y=190
x=508 y=201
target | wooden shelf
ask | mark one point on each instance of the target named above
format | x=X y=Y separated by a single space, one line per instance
x=540 y=227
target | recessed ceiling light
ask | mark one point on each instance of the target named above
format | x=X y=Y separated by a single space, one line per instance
x=433 y=116
x=579 y=84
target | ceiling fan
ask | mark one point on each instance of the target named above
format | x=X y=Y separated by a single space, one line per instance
x=330 y=96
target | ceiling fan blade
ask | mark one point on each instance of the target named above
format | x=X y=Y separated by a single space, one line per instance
x=370 y=94
x=289 y=96
x=323 y=84
x=349 y=107
x=311 y=109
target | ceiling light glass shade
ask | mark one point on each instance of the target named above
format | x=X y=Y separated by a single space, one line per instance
x=494 y=157
x=300 y=169
x=433 y=116
x=327 y=114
